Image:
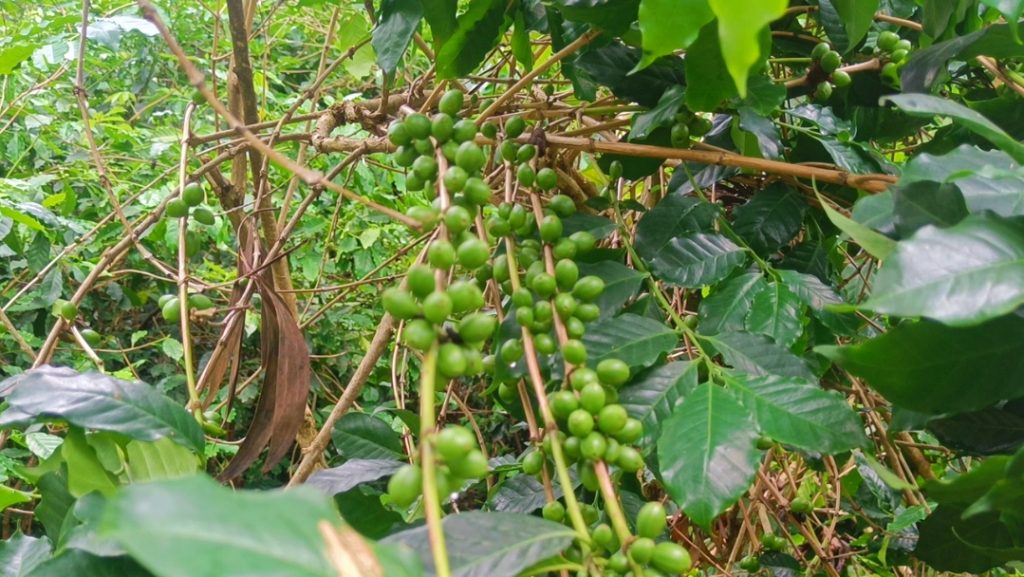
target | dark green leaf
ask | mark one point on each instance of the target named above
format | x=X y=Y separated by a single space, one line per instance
x=988 y=179
x=970 y=486
x=676 y=215
x=620 y=284
x=928 y=106
x=362 y=436
x=522 y=494
x=978 y=366
x=611 y=65
x=83 y=564
x=726 y=308
x=799 y=413
x=352 y=474
x=395 y=27
x=707 y=87
x=654 y=396
x=477 y=32
x=809 y=289
x=707 y=454
x=520 y=43
x=697 y=260
x=440 y=15
x=21 y=553
x=193 y=527
x=490 y=544
x=663 y=114
x=944 y=538
x=985 y=432
x=770 y=219
x=614 y=16
x=668 y=25
x=777 y=313
x=927 y=66
x=97 y=401
x=857 y=17
x=365 y=513
x=764 y=130
x=961 y=275
x=925 y=202
x=637 y=341
x=758 y=355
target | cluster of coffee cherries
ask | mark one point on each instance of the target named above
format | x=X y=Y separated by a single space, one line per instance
x=896 y=51
x=192 y=196
x=687 y=126
x=828 y=61
x=170 y=305
x=657 y=558
x=460 y=460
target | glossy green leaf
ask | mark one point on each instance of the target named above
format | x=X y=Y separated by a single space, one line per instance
x=99 y=402
x=620 y=284
x=352 y=474
x=522 y=494
x=776 y=312
x=726 y=308
x=961 y=275
x=707 y=87
x=397 y=22
x=707 y=454
x=927 y=106
x=613 y=16
x=988 y=179
x=925 y=202
x=857 y=17
x=85 y=473
x=697 y=260
x=988 y=431
x=764 y=131
x=668 y=25
x=156 y=460
x=225 y=533
x=927 y=67
x=740 y=22
x=770 y=219
x=758 y=355
x=876 y=244
x=978 y=365
x=637 y=341
x=20 y=554
x=945 y=540
x=611 y=65
x=655 y=395
x=663 y=114
x=809 y=289
x=477 y=31
x=490 y=544
x=800 y=413
x=676 y=215
x=362 y=436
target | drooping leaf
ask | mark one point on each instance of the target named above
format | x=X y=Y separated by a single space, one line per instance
x=225 y=533
x=20 y=554
x=857 y=16
x=440 y=15
x=352 y=474
x=726 y=308
x=697 y=260
x=978 y=365
x=635 y=340
x=707 y=87
x=776 y=312
x=758 y=355
x=961 y=275
x=740 y=23
x=490 y=544
x=706 y=452
x=770 y=219
x=397 y=22
x=362 y=436
x=800 y=413
x=477 y=31
x=654 y=396
x=926 y=105
x=99 y=402
x=668 y=25
x=925 y=202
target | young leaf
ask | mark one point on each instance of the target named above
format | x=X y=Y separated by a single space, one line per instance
x=740 y=23
x=99 y=402
x=668 y=25
x=707 y=454
x=490 y=544
x=978 y=365
x=962 y=275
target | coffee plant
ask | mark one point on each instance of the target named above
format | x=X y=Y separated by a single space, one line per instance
x=512 y=288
